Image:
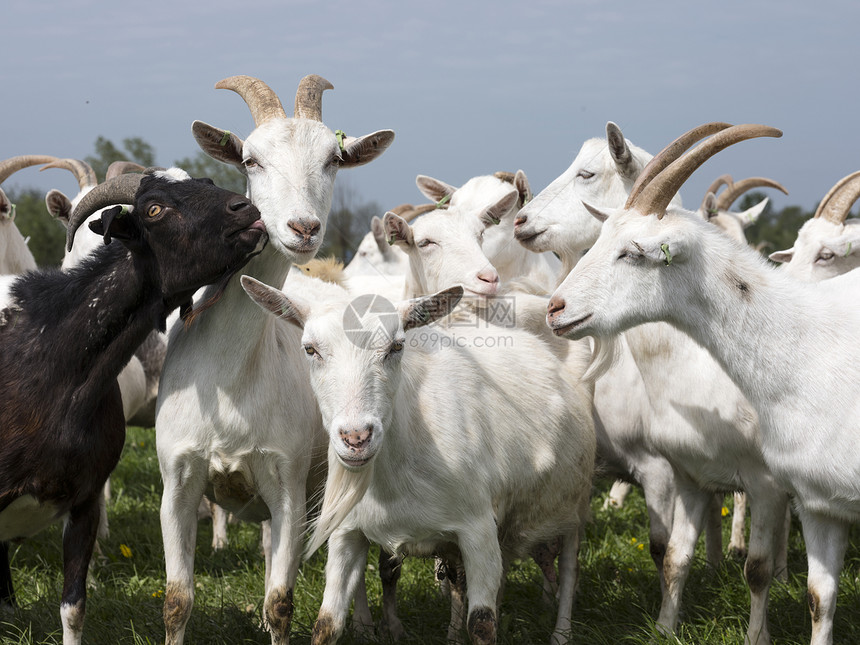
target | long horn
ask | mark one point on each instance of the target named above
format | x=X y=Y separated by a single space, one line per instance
x=838 y=201
x=10 y=166
x=656 y=195
x=309 y=97
x=417 y=211
x=119 y=190
x=670 y=153
x=719 y=182
x=82 y=171
x=262 y=101
x=118 y=168
x=730 y=194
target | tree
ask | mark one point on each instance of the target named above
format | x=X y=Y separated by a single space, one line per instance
x=136 y=149
x=774 y=230
x=224 y=175
x=348 y=222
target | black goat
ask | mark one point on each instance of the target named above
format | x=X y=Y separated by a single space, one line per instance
x=67 y=334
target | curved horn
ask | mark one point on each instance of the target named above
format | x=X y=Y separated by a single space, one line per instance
x=670 y=153
x=730 y=194
x=719 y=182
x=656 y=195
x=309 y=97
x=82 y=171
x=118 y=168
x=504 y=176
x=262 y=101
x=838 y=201
x=119 y=190
x=12 y=165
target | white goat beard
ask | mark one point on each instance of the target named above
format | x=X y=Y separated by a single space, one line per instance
x=344 y=489
x=604 y=354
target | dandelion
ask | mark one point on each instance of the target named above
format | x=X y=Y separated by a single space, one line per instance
x=640 y=546
x=126 y=552
x=633 y=540
x=725 y=511
x=158 y=593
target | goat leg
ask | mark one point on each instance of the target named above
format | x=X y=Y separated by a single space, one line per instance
x=79 y=538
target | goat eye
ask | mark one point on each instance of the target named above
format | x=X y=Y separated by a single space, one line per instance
x=310 y=350
x=250 y=163
x=824 y=255
x=397 y=346
x=154 y=210
x=584 y=174
x=425 y=242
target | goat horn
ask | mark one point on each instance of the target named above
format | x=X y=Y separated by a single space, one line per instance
x=670 y=153
x=261 y=100
x=719 y=182
x=838 y=201
x=504 y=176
x=417 y=211
x=82 y=171
x=119 y=190
x=656 y=195
x=118 y=168
x=730 y=194
x=309 y=97
x=12 y=165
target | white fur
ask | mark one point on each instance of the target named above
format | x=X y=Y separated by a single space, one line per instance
x=788 y=346
x=234 y=394
x=462 y=450
x=15 y=255
x=699 y=421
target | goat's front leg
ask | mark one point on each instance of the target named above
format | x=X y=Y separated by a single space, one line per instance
x=344 y=571
x=690 y=508
x=826 y=541
x=482 y=562
x=184 y=480
x=79 y=538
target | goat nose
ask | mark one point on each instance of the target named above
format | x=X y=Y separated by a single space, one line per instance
x=556 y=304
x=520 y=220
x=238 y=203
x=305 y=227
x=357 y=438
x=488 y=275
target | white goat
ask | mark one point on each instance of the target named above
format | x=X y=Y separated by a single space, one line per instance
x=438 y=446
x=827 y=244
x=15 y=255
x=707 y=430
x=236 y=417
x=789 y=345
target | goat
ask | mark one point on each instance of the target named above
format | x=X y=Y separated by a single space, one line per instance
x=15 y=255
x=827 y=244
x=716 y=209
x=221 y=426
x=787 y=344
x=430 y=452
x=708 y=432
x=65 y=336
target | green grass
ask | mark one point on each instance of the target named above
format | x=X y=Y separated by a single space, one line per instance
x=617 y=601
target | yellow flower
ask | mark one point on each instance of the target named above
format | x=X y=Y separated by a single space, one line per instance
x=126 y=552
x=633 y=540
x=158 y=594
x=640 y=547
x=725 y=511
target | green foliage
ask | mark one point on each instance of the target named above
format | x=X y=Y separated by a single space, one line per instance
x=47 y=235
x=224 y=175
x=617 y=601
x=135 y=149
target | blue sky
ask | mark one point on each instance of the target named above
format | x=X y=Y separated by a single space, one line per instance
x=469 y=88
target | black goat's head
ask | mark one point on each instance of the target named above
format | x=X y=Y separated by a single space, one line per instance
x=196 y=232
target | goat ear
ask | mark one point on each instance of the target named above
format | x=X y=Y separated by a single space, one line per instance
x=59 y=206
x=620 y=152
x=274 y=301
x=427 y=309
x=397 y=230
x=709 y=206
x=115 y=223
x=524 y=190
x=378 y=231
x=433 y=189
x=358 y=151
x=781 y=256
x=596 y=212
x=219 y=144
x=493 y=214
x=750 y=216
x=5 y=205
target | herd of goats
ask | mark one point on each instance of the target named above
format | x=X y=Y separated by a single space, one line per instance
x=648 y=342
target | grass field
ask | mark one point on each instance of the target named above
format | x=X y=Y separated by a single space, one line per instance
x=617 y=601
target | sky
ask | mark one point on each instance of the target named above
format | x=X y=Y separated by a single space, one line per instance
x=469 y=88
